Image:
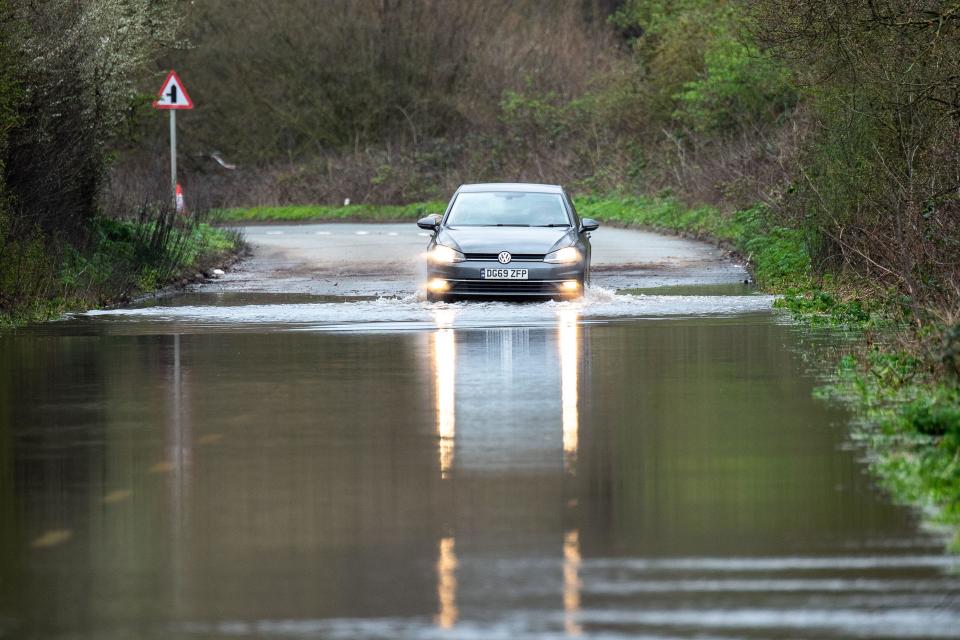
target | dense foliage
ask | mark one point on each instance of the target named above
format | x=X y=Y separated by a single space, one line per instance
x=387 y=100
x=68 y=75
x=880 y=182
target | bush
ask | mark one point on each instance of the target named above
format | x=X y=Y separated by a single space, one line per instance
x=739 y=90
x=934 y=416
x=879 y=180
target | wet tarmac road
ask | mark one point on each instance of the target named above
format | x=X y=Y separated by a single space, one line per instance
x=385 y=259
x=238 y=461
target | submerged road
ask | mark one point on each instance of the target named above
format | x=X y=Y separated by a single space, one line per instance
x=385 y=259
x=306 y=448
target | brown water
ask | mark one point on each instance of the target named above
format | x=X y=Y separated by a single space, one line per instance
x=499 y=471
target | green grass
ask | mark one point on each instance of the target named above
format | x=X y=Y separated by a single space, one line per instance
x=323 y=213
x=910 y=418
x=778 y=255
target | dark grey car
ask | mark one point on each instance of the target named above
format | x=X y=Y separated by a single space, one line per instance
x=508 y=240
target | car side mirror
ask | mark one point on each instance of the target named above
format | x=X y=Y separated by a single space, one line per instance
x=588 y=224
x=430 y=222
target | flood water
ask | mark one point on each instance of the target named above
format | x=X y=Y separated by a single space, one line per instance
x=272 y=466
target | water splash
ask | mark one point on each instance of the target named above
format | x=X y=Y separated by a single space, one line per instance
x=415 y=313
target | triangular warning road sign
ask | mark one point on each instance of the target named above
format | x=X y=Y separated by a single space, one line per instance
x=172 y=95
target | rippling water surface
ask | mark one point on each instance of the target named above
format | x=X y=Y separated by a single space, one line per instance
x=269 y=466
x=326 y=313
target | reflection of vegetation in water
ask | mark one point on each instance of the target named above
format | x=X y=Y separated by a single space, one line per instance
x=913 y=408
x=8 y=518
x=736 y=289
x=10 y=541
x=912 y=424
x=715 y=443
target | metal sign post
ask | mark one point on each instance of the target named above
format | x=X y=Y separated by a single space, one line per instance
x=173 y=96
x=173 y=156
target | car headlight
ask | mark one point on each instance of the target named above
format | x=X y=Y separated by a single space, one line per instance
x=563 y=256
x=445 y=255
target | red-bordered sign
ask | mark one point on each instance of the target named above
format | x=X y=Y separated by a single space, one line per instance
x=172 y=94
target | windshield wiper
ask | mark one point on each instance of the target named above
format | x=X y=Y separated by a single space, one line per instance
x=513 y=225
x=564 y=224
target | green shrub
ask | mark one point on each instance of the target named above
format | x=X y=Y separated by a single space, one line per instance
x=739 y=88
x=933 y=416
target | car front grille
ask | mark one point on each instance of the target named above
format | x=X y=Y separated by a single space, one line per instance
x=515 y=257
x=493 y=287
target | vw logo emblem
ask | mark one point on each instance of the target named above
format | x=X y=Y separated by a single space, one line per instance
x=504 y=257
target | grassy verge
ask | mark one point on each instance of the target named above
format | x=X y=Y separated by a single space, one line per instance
x=43 y=278
x=322 y=213
x=909 y=415
x=777 y=255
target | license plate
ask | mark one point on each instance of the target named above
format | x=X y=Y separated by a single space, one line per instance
x=503 y=274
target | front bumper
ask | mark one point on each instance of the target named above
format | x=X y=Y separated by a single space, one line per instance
x=543 y=279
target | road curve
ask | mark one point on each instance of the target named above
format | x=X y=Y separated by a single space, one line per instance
x=386 y=259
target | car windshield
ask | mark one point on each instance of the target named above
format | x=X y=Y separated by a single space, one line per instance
x=509 y=209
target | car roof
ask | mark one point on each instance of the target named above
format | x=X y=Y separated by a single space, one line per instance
x=510 y=186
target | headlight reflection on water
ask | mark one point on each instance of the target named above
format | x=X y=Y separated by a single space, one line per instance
x=568 y=339
x=445 y=371
x=447 y=583
x=571 y=582
x=444 y=365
